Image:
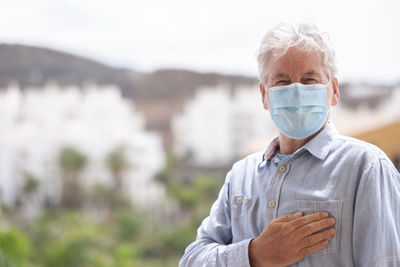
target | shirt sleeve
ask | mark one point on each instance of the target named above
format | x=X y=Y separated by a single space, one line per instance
x=376 y=225
x=213 y=245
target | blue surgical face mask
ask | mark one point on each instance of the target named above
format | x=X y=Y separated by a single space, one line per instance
x=298 y=110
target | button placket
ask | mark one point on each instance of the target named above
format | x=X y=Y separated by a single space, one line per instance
x=283 y=171
x=272 y=189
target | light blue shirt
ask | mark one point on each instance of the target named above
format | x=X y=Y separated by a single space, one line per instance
x=352 y=180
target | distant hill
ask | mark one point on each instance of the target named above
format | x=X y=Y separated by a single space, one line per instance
x=34 y=66
x=178 y=82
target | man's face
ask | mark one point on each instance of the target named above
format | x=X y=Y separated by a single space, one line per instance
x=301 y=67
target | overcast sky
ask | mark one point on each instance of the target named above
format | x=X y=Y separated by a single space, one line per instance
x=206 y=35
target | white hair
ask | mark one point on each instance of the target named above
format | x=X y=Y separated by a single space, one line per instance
x=303 y=36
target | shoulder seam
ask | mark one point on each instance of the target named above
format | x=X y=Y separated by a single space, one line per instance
x=371 y=147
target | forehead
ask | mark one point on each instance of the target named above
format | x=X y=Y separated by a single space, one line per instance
x=296 y=62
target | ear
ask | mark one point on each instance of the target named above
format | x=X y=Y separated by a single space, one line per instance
x=264 y=96
x=336 y=93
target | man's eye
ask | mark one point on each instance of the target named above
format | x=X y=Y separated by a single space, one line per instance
x=282 y=82
x=310 y=80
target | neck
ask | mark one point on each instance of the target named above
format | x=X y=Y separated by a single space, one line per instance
x=289 y=145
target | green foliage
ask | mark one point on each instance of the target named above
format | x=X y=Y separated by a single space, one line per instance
x=162 y=176
x=178 y=238
x=116 y=160
x=188 y=196
x=14 y=247
x=31 y=183
x=129 y=224
x=208 y=185
x=124 y=237
x=71 y=159
x=125 y=255
x=72 y=162
x=193 y=189
x=74 y=246
x=117 y=163
x=69 y=239
x=5 y=262
x=201 y=191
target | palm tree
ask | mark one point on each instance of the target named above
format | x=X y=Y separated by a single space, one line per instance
x=117 y=163
x=72 y=162
x=31 y=184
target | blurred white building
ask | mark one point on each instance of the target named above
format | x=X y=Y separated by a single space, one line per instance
x=35 y=124
x=364 y=118
x=220 y=125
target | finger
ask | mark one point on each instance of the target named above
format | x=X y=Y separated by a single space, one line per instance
x=316 y=238
x=299 y=222
x=311 y=249
x=289 y=217
x=314 y=227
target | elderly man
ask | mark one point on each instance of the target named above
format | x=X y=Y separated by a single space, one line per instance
x=314 y=197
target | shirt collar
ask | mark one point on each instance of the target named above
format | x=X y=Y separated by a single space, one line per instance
x=272 y=150
x=319 y=146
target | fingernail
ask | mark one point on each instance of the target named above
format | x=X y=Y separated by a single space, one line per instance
x=298 y=214
x=325 y=214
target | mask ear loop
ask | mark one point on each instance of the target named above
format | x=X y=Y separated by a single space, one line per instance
x=266 y=99
x=328 y=111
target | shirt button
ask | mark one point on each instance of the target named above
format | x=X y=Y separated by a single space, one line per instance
x=282 y=168
x=271 y=204
x=239 y=200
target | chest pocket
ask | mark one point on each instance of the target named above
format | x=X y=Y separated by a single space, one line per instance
x=241 y=215
x=334 y=208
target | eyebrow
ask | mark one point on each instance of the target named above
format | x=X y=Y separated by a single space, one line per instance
x=280 y=75
x=286 y=76
x=311 y=72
